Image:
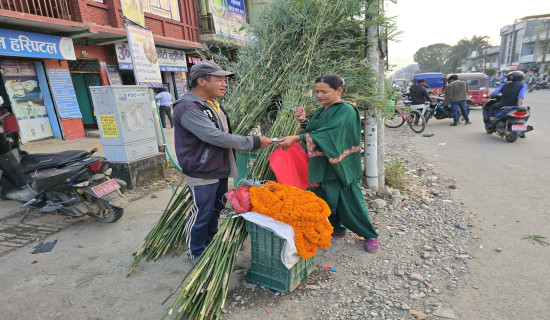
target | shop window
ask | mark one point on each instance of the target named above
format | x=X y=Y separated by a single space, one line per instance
x=82 y=65
x=164 y=8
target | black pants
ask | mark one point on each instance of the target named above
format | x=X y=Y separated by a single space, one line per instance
x=489 y=111
x=168 y=111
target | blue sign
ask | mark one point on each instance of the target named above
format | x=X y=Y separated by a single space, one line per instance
x=63 y=93
x=34 y=45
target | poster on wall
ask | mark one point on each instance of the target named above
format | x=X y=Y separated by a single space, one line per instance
x=26 y=98
x=62 y=87
x=172 y=60
x=229 y=17
x=144 y=56
x=180 y=89
x=114 y=76
x=133 y=11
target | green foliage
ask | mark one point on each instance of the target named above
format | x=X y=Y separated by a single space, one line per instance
x=394 y=173
x=533 y=238
x=432 y=58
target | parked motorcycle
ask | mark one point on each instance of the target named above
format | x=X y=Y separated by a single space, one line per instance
x=542 y=85
x=73 y=183
x=439 y=110
x=508 y=122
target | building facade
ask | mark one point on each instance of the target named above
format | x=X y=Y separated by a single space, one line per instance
x=52 y=51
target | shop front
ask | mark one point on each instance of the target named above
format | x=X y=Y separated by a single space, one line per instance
x=172 y=63
x=39 y=97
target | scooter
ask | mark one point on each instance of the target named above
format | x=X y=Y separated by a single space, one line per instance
x=542 y=85
x=439 y=110
x=73 y=183
x=508 y=122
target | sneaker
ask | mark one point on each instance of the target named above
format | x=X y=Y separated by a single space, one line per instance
x=338 y=235
x=453 y=124
x=469 y=122
x=522 y=134
x=372 y=244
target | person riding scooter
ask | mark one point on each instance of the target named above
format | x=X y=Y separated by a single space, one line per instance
x=513 y=93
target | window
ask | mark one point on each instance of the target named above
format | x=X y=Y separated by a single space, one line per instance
x=472 y=82
x=164 y=8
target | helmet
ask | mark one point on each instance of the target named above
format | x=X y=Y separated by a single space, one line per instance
x=515 y=76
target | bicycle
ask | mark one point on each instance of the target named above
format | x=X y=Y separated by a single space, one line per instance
x=414 y=118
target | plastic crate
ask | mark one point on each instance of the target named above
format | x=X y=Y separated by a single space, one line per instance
x=244 y=160
x=267 y=269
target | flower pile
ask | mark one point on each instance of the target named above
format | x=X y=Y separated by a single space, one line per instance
x=301 y=209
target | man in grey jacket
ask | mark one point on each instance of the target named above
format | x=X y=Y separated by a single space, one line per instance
x=204 y=147
x=456 y=94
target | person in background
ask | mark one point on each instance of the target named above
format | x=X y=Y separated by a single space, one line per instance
x=513 y=93
x=456 y=94
x=531 y=81
x=165 y=106
x=333 y=140
x=204 y=148
x=419 y=95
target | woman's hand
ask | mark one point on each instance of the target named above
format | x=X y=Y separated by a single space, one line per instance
x=300 y=114
x=286 y=142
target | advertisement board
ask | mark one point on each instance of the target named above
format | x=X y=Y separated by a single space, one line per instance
x=144 y=56
x=229 y=17
x=35 y=45
x=172 y=60
x=62 y=87
x=133 y=11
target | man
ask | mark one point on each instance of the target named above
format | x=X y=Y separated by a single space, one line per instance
x=204 y=147
x=418 y=95
x=165 y=104
x=456 y=94
x=513 y=93
x=531 y=82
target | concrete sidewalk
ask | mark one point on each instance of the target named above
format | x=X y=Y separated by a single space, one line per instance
x=10 y=208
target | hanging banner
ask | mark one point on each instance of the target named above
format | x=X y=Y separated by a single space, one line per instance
x=35 y=45
x=133 y=11
x=229 y=17
x=172 y=60
x=62 y=87
x=26 y=99
x=144 y=56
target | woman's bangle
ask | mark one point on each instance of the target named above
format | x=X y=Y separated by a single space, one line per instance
x=304 y=122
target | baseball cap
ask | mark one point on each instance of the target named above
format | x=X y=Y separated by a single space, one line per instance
x=208 y=67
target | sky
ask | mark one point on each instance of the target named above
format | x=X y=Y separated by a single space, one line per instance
x=426 y=22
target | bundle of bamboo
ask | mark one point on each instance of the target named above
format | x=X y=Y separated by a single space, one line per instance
x=298 y=41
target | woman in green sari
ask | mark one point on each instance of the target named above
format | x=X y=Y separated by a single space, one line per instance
x=333 y=140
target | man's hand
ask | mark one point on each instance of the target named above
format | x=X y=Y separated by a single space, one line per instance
x=265 y=142
x=286 y=142
x=300 y=114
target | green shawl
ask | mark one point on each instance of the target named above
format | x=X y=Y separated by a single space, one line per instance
x=333 y=140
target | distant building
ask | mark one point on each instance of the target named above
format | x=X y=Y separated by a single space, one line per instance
x=406 y=73
x=525 y=45
x=488 y=58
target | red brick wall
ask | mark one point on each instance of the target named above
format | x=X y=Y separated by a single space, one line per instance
x=110 y=14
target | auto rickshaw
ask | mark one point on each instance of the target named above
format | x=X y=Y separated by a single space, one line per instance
x=478 y=87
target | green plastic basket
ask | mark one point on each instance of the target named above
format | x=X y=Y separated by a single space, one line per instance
x=244 y=160
x=266 y=267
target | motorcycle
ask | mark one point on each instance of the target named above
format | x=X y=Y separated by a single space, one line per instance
x=439 y=110
x=542 y=85
x=73 y=183
x=508 y=122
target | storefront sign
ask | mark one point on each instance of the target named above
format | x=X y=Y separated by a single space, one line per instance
x=114 y=76
x=27 y=102
x=144 y=56
x=133 y=10
x=63 y=93
x=108 y=125
x=35 y=45
x=513 y=67
x=229 y=16
x=172 y=60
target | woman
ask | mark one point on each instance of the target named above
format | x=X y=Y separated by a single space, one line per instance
x=333 y=139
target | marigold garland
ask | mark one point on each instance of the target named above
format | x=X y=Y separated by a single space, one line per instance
x=301 y=209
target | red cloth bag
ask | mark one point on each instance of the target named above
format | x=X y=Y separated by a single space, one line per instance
x=290 y=166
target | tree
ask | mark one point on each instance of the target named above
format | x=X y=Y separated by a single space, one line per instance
x=433 y=58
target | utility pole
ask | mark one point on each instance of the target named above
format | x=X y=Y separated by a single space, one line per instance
x=371 y=139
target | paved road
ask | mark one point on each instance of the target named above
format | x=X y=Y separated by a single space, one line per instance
x=506 y=187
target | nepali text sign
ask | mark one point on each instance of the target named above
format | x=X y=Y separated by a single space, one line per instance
x=34 y=45
x=172 y=60
x=133 y=10
x=229 y=16
x=144 y=56
x=63 y=93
